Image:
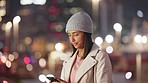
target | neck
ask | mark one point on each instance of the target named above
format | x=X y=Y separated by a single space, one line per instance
x=80 y=52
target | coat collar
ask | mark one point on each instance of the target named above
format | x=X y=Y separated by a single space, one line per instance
x=69 y=64
x=87 y=64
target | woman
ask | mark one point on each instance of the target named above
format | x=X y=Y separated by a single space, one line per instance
x=87 y=64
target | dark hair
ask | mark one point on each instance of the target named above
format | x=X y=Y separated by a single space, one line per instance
x=87 y=44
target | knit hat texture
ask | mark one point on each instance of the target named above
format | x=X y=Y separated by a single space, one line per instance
x=80 y=21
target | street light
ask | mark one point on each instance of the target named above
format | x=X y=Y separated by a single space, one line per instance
x=139 y=41
x=8 y=27
x=16 y=21
x=118 y=28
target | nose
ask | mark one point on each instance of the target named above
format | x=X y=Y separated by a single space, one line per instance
x=72 y=39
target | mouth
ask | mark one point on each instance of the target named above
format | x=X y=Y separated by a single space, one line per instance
x=74 y=44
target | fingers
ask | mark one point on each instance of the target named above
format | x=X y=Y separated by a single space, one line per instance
x=61 y=81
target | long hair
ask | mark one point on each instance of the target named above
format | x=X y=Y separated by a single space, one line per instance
x=87 y=45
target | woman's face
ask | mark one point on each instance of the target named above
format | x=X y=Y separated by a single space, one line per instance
x=76 y=38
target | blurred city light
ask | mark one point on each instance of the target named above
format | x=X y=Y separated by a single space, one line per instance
x=8 y=64
x=128 y=75
x=109 y=49
x=59 y=28
x=98 y=41
x=109 y=38
x=8 y=25
x=29 y=67
x=36 y=2
x=50 y=46
x=2 y=12
x=26 y=2
x=39 y=2
x=2 y=3
x=37 y=55
x=138 y=38
x=3 y=59
x=15 y=54
x=125 y=39
x=144 y=39
x=59 y=46
x=26 y=60
x=55 y=54
x=117 y=27
x=64 y=56
x=10 y=57
x=42 y=62
x=42 y=78
x=140 y=13
x=3 y=7
x=28 y=40
x=5 y=81
x=75 y=9
x=16 y=19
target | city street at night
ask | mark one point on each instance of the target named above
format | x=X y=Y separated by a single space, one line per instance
x=34 y=44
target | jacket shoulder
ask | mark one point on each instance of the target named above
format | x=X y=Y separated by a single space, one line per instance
x=101 y=54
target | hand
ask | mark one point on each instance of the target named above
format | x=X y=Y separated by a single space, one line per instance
x=60 y=81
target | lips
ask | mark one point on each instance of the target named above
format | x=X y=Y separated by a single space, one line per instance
x=74 y=44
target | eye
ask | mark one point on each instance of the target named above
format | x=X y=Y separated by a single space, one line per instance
x=69 y=35
x=76 y=34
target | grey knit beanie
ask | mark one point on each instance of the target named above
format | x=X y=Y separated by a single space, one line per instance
x=80 y=21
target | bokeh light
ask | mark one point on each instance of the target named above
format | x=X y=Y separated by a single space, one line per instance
x=5 y=81
x=10 y=57
x=26 y=60
x=42 y=78
x=144 y=39
x=138 y=38
x=140 y=13
x=8 y=64
x=29 y=67
x=16 y=19
x=42 y=62
x=109 y=49
x=59 y=46
x=109 y=38
x=117 y=27
x=3 y=59
x=37 y=55
x=98 y=41
x=28 y=40
x=15 y=54
x=128 y=75
x=8 y=25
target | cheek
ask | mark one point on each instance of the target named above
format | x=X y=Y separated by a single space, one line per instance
x=81 y=40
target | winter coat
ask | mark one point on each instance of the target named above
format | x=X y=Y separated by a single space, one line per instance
x=96 y=68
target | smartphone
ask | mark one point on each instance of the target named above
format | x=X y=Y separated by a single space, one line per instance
x=52 y=79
